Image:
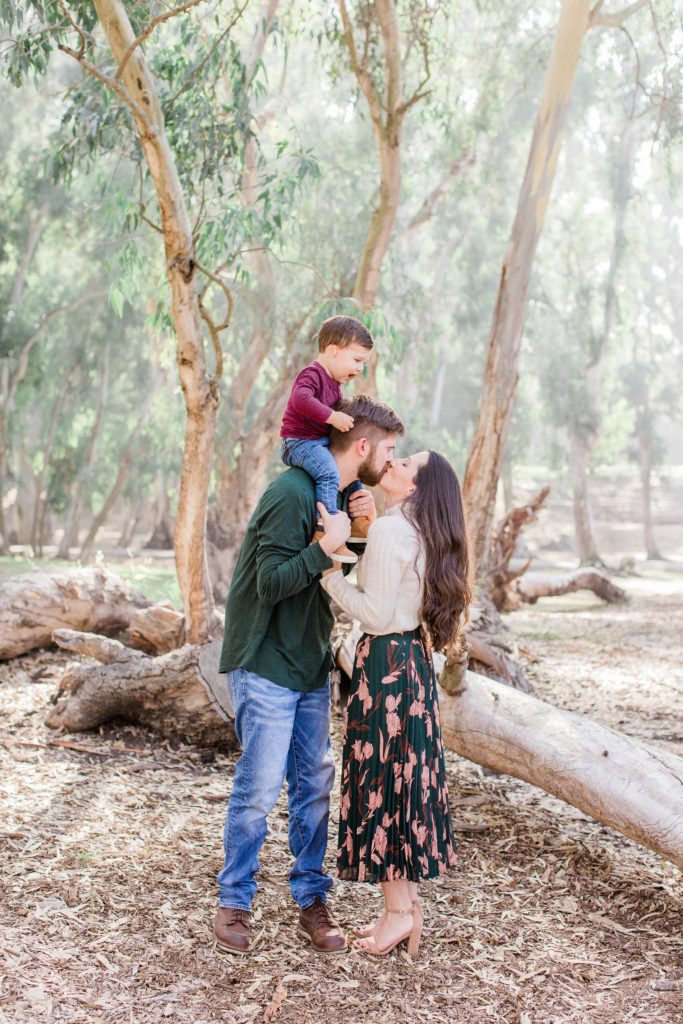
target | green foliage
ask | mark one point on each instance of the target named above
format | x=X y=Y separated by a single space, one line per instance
x=278 y=166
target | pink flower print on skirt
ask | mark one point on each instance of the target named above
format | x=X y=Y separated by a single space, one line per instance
x=394 y=815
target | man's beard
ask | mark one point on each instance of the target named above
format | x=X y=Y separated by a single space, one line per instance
x=367 y=474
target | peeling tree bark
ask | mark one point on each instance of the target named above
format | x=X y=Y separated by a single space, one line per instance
x=500 y=377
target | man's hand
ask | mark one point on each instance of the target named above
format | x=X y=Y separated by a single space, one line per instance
x=337 y=529
x=340 y=421
x=362 y=503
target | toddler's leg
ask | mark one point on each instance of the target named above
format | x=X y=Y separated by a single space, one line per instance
x=316 y=458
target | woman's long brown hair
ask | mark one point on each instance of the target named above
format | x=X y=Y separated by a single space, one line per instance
x=436 y=511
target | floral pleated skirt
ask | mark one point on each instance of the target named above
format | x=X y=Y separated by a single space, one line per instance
x=394 y=820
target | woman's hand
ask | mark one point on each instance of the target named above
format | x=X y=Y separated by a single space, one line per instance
x=362 y=503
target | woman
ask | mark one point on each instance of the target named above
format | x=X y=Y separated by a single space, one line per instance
x=413 y=591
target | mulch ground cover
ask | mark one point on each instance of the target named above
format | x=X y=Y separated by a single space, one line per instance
x=111 y=841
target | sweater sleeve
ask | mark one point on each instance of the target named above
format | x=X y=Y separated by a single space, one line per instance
x=384 y=562
x=286 y=562
x=304 y=397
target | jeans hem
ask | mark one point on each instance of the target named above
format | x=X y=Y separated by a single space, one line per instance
x=311 y=900
x=227 y=905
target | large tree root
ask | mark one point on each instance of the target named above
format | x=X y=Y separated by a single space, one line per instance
x=34 y=604
x=177 y=694
x=533 y=585
x=629 y=786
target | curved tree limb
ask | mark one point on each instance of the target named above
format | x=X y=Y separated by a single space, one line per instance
x=160 y=18
x=615 y=19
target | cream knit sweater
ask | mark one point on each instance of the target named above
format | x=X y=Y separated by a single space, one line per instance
x=389 y=592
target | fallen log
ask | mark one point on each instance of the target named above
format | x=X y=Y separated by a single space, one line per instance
x=533 y=585
x=157 y=629
x=509 y=586
x=633 y=788
x=34 y=604
x=176 y=694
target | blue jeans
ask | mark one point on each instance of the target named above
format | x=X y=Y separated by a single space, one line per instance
x=318 y=461
x=284 y=734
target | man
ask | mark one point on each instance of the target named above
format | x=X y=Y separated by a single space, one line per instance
x=277 y=658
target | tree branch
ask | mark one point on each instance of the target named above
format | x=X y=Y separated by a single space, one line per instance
x=215 y=329
x=391 y=38
x=415 y=98
x=22 y=361
x=112 y=84
x=76 y=27
x=426 y=211
x=362 y=74
x=160 y=18
x=617 y=19
x=209 y=53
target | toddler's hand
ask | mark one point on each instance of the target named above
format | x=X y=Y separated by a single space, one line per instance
x=341 y=421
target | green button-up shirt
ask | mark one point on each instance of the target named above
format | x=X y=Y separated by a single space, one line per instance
x=277 y=618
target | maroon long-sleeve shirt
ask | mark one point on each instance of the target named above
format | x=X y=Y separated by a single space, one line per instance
x=313 y=397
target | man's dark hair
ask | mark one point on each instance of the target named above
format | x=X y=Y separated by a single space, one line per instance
x=343 y=331
x=371 y=419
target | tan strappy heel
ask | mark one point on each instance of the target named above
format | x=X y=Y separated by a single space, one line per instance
x=370 y=929
x=413 y=936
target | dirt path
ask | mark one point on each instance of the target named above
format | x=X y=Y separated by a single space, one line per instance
x=109 y=861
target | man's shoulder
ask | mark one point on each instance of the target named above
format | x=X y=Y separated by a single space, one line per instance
x=294 y=483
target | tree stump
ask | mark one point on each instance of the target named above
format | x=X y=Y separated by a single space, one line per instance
x=34 y=604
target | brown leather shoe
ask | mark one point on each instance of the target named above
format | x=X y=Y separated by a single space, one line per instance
x=232 y=928
x=322 y=931
x=359 y=529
